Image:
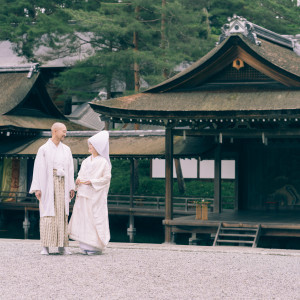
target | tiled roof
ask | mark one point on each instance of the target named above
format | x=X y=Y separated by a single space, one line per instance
x=86 y=116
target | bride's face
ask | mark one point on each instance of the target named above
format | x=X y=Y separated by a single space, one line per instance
x=92 y=150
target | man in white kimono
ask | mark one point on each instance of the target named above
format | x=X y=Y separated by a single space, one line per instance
x=53 y=185
x=89 y=223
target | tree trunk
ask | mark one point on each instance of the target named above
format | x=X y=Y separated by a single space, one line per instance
x=163 y=34
x=108 y=87
x=109 y=77
x=136 y=66
x=207 y=21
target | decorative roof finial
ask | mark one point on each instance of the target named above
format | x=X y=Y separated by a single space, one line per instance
x=33 y=68
x=238 y=25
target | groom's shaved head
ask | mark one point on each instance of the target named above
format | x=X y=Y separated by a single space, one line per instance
x=57 y=126
x=59 y=131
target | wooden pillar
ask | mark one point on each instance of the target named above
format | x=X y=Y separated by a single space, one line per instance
x=198 y=167
x=131 y=231
x=169 y=183
x=217 y=181
x=1 y=218
x=136 y=174
x=236 y=184
x=151 y=168
x=132 y=187
x=180 y=179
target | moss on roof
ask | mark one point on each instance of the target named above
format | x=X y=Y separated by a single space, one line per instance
x=280 y=56
x=204 y=101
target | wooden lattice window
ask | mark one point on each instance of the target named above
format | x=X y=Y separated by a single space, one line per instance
x=244 y=74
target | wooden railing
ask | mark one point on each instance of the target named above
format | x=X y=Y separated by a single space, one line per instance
x=151 y=202
x=17 y=197
x=156 y=202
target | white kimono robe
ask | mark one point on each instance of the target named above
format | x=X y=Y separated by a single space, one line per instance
x=89 y=222
x=43 y=177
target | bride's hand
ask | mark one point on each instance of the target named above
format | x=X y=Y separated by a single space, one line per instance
x=77 y=181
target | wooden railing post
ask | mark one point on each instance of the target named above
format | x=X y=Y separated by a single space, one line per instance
x=26 y=224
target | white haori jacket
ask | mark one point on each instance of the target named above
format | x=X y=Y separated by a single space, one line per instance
x=89 y=222
x=43 y=177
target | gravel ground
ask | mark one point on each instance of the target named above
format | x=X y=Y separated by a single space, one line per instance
x=146 y=271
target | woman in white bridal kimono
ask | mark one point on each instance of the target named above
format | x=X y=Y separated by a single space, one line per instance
x=89 y=222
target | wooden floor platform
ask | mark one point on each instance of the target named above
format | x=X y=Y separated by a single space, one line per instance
x=273 y=223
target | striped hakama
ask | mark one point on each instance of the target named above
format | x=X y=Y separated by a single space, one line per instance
x=54 y=230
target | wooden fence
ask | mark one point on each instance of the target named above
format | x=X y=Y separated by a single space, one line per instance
x=186 y=204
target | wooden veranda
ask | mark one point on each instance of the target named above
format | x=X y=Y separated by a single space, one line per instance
x=124 y=205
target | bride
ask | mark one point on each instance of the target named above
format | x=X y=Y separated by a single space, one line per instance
x=89 y=222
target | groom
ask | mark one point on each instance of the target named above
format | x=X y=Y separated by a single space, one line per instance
x=53 y=185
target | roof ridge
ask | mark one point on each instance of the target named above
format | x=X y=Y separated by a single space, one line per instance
x=30 y=68
x=250 y=30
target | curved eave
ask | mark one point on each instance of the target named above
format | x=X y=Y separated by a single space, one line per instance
x=14 y=87
x=28 y=123
x=140 y=115
x=50 y=109
x=202 y=104
x=235 y=46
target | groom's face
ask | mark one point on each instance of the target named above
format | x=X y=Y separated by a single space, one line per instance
x=61 y=132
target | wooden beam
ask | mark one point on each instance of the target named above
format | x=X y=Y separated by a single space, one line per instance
x=169 y=182
x=236 y=133
x=180 y=179
x=217 y=181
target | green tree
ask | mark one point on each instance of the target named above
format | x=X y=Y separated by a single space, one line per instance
x=132 y=39
x=124 y=37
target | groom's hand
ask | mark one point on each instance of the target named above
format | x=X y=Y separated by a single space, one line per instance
x=72 y=194
x=38 y=194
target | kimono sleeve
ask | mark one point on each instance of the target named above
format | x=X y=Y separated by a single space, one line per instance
x=71 y=172
x=38 y=172
x=81 y=173
x=102 y=178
